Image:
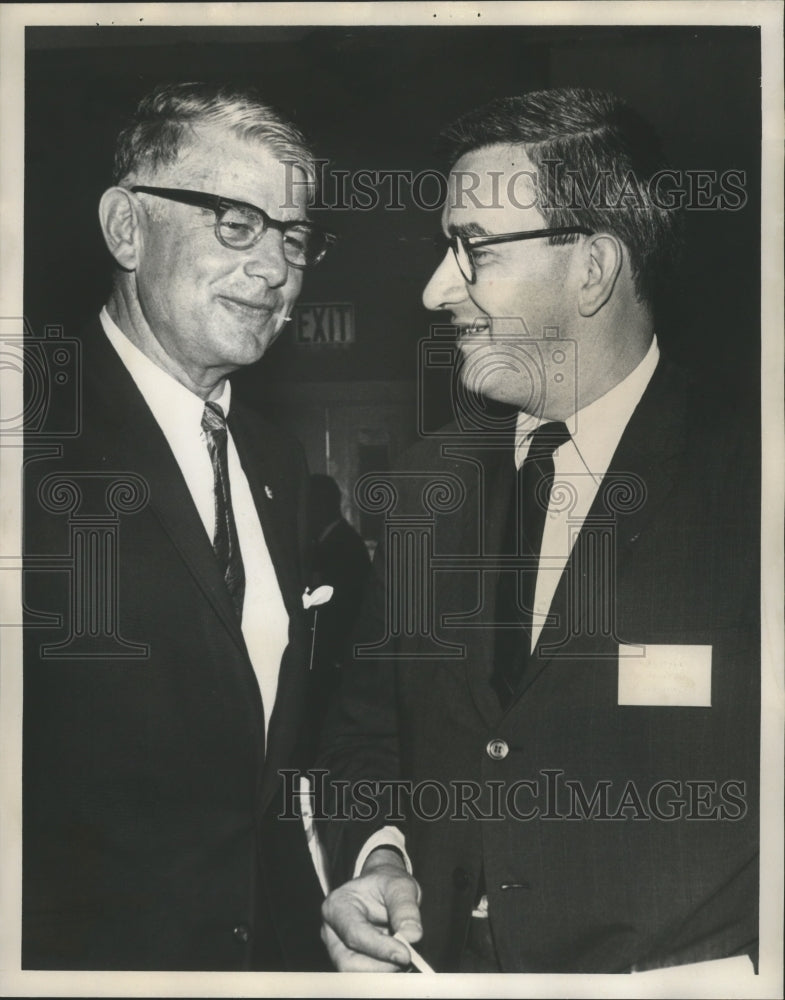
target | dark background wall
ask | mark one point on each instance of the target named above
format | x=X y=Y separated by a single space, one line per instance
x=374 y=98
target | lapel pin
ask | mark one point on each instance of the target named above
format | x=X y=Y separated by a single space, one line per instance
x=268 y=492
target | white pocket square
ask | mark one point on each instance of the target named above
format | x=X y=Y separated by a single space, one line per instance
x=666 y=675
x=320 y=596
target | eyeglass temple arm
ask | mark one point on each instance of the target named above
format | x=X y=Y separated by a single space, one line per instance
x=530 y=234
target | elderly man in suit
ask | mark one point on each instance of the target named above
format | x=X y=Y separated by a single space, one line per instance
x=166 y=669
x=569 y=723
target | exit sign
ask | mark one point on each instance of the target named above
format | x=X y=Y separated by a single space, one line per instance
x=328 y=324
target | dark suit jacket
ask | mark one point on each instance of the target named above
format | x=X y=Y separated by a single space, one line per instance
x=150 y=786
x=573 y=886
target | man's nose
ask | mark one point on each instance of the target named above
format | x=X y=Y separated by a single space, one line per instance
x=447 y=285
x=266 y=259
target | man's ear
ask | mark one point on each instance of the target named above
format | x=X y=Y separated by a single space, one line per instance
x=604 y=259
x=118 y=213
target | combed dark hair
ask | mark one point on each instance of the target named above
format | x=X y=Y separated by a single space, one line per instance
x=595 y=157
x=165 y=119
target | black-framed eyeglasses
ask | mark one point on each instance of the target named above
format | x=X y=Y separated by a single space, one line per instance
x=240 y=225
x=463 y=246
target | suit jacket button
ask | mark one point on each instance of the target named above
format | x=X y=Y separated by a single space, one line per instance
x=497 y=749
x=460 y=878
x=242 y=933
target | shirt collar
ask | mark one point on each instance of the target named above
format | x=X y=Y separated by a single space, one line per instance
x=597 y=428
x=176 y=409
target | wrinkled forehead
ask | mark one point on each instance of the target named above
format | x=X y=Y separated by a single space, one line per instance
x=491 y=188
x=217 y=160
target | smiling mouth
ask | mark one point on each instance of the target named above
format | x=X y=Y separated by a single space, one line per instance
x=476 y=327
x=257 y=309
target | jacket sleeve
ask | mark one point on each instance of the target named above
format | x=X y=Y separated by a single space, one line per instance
x=359 y=748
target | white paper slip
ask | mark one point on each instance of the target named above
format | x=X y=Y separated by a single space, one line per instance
x=414 y=956
x=315 y=847
x=739 y=965
x=666 y=675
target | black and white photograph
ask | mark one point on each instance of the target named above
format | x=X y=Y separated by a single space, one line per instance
x=392 y=455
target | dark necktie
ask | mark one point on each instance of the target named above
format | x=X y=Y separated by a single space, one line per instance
x=522 y=537
x=225 y=542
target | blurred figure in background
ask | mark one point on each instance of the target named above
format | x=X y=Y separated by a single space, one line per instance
x=338 y=558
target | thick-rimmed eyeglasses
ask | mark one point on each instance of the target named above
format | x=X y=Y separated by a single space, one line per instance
x=239 y=225
x=464 y=246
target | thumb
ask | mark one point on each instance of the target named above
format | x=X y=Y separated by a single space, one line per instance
x=402 y=909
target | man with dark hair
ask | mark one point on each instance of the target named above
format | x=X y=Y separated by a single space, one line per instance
x=166 y=671
x=565 y=752
x=595 y=163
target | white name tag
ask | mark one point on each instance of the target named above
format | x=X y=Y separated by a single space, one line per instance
x=739 y=965
x=666 y=675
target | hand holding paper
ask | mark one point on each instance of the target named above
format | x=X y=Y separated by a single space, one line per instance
x=369 y=921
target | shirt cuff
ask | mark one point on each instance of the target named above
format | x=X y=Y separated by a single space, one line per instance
x=388 y=836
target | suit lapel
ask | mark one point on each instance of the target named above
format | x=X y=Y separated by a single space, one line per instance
x=641 y=476
x=134 y=439
x=274 y=503
x=487 y=510
x=131 y=438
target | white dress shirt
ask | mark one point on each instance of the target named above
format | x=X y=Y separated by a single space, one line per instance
x=579 y=468
x=581 y=464
x=178 y=412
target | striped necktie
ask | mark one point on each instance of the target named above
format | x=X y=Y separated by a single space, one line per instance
x=522 y=538
x=225 y=542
